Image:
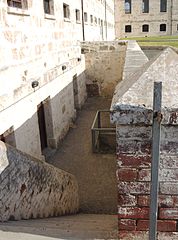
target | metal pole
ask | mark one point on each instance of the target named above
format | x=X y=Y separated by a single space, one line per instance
x=156 y=130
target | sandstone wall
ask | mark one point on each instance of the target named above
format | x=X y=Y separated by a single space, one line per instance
x=104 y=66
x=31 y=188
x=154 y=18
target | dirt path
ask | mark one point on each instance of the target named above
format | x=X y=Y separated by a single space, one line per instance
x=96 y=173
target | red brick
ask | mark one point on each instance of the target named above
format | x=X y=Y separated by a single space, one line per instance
x=143 y=200
x=135 y=188
x=127 y=224
x=144 y=175
x=134 y=146
x=168 y=213
x=133 y=212
x=127 y=174
x=136 y=161
x=163 y=201
x=127 y=200
x=163 y=226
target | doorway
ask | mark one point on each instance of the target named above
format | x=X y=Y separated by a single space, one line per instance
x=42 y=125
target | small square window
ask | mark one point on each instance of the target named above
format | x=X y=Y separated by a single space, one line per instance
x=145 y=28
x=85 y=17
x=49 y=6
x=18 y=3
x=66 y=11
x=163 y=27
x=77 y=15
x=128 y=28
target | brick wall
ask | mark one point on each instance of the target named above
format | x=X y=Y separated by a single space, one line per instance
x=31 y=188
x=134 y=133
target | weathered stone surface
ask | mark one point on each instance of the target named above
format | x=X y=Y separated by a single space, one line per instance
x=30 y=188
x=104 y=65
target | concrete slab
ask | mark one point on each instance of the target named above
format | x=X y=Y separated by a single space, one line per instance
x=76 y=227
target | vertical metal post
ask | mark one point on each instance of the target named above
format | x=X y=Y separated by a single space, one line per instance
x=156 y=130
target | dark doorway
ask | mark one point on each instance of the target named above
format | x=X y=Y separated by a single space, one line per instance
x=42 y=125
x=75 y=91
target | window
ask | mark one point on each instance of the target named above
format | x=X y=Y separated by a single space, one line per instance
x=66 y=11
x=18 y=3
x=91 y=19
x=127 y=6
x=145 y=6
x=177 y=27
x=128 y=28
x=95 y=20
x=48 y=6
x=163 y=5
x=85 y=17
x=163 y=27
x=145 y=28
x=77 y=15
x=99 y=21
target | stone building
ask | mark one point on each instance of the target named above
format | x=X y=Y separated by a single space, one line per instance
x=42 y=79
x=146 y=18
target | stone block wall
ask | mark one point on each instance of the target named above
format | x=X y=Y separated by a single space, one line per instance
x=31 y=188
x=153 y=18
x=134 y=143
x=104 y=66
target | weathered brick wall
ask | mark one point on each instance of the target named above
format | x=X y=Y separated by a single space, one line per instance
x=31 y=188
x=134 y=133
x=104 y=65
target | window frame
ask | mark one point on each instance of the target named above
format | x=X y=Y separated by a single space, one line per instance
x=66 y=11
x=163 y=6
x=128 y=10
x=85 y=16
x=145 y=6
x=23 y=4
x=161 y=27
x=145 y=30
x=77 y=15
x=127 y=26
x=48 y=7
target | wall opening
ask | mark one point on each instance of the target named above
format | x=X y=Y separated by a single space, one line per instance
x=128 y=28
x=128 y=6
x=145 y=6
x=9 y=137
x=48 y=6
x=66 y=11
x=18 y=3
x=42 y=125
x=163 y=27
x=163 y=5
x=145 y=28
